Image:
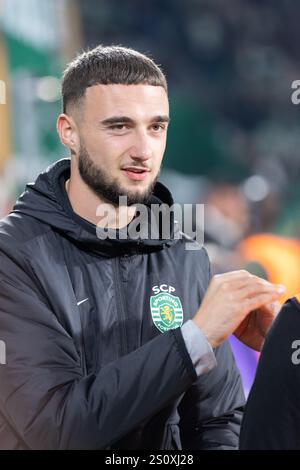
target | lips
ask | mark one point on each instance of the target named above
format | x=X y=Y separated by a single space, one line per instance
x=135 y=173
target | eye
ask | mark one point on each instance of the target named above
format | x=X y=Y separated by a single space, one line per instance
x=158 y=127
x=118 y=127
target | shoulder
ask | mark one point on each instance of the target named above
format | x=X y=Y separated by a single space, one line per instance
x=191 y=256
x=21 y=227
x=17 y=231
x=192 y=249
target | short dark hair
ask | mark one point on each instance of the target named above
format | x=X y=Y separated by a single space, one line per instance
x=108 y=65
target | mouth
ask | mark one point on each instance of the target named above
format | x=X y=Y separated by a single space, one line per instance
x=135 y=173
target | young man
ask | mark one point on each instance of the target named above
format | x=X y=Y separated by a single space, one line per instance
x=106 y=345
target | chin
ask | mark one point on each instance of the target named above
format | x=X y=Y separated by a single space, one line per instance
x=139 y=196
x=137 y=187
x=136 y=194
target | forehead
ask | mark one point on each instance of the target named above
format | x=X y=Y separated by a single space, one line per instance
x=124 y=100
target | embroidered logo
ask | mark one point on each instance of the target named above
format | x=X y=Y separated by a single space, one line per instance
x=166 y=309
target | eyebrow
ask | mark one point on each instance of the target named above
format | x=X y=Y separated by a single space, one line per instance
x=128 y=120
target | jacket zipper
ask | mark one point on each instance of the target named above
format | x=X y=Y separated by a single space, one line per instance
x=84 y=365
x=120 y=305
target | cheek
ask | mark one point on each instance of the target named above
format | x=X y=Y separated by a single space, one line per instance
x=106 y=149
x=160 y=149
x=117 y=145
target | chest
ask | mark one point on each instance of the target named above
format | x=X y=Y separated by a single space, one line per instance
x=112 y=306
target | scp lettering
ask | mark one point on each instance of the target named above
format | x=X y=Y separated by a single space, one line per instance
x=163 y=288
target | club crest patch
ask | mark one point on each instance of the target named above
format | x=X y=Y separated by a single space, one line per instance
x=166 y=311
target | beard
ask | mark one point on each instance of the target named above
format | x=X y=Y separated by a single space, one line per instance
x=99 y=181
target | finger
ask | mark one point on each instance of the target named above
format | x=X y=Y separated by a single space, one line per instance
x=240 y=283
x=272 y=309
x=232 y=284
x=259 y=300
x=257 y=280
x=238 y=279
x=232 y=275
x=257 y=288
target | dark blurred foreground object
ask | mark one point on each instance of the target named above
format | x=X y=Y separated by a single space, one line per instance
x=272 y=417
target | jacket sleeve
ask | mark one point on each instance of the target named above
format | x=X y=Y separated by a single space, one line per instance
x=211 y=410
x=46 y=398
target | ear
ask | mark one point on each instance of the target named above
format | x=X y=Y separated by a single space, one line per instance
x=68 y=133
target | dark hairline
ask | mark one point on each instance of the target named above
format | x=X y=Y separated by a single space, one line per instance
x=107 y=66
x=77 y=104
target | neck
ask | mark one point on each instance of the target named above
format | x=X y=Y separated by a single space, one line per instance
x=91 y=207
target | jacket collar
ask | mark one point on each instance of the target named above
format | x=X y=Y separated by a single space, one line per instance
x=46 y=200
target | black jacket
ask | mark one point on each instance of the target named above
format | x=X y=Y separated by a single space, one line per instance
x=272 y=417
x=86 y=367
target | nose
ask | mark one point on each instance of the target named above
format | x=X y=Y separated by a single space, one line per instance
x=141 y=149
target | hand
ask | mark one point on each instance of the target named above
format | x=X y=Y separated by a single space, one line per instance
x=229 y=299
x=255 y=327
